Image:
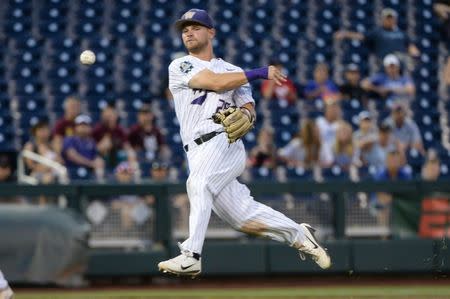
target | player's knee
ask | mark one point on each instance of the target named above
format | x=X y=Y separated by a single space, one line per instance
x=196 y=186
x=253 y=227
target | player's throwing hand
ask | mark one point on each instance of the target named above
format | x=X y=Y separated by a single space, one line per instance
x=276 y=75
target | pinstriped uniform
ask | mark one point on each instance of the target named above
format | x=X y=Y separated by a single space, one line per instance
x=215 y=164
x=3 y=282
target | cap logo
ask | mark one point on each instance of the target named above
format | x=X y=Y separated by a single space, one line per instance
x=188 y=15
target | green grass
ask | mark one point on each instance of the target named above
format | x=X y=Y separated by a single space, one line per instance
x=387 y=292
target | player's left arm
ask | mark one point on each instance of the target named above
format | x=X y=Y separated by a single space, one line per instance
x=240 y=120
x=249 y=109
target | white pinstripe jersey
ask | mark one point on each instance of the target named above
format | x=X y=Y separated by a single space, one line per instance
x=194 y=108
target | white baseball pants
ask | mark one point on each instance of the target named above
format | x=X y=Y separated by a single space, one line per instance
x=212 y=184
x=3 y=282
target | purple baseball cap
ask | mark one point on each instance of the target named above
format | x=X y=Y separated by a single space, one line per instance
x=194 y=16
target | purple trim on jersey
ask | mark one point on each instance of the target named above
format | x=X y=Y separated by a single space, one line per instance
x=200 y=100
x=261 y=73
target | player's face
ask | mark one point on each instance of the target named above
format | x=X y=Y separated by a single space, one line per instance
x=196 y=37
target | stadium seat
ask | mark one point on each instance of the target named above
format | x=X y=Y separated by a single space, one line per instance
x=80 y=173
x=334 y=173
x=299 y=173
x=42 y=42
x=262 y=174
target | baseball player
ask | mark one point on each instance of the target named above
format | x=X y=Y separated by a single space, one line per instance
x=215 y=108
x=5 y=290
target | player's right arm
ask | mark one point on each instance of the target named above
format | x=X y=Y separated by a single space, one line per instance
x=220 y=82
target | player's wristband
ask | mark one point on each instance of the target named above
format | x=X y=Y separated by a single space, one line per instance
x=261 y=73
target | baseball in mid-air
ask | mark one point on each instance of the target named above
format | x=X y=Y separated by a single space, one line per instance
x=87 y=57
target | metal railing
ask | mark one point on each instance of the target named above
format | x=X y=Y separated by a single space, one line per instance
x=59 y=169
x=328 y=205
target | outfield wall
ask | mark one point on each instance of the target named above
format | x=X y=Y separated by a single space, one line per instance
x=395 y=253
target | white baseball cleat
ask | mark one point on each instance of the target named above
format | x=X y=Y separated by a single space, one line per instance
x=184 y=264
x=312 y=248
x=6 y=293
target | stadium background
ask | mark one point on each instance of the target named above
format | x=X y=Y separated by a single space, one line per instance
x=134 y=42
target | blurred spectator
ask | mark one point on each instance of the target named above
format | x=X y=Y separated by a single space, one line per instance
x=40 y=144
x=159 y=171
x=124 y=173
x=6 y=170
x=284 y=92
x=391 y=83
x=321 y=86
x=366 y=142
x=442 y=10
x=446 y=75
x=80 y=149
x=351 y=89
x=385 y=39
x=134 y=209
x=111 y=139
x=65 y=126
x=343 y=146
x=327 y=126
x=387 y=142
x=304 y=150
x=146 y=139
x=264 y=153
x=394 y=170
x=404 y=129
x=431 y=168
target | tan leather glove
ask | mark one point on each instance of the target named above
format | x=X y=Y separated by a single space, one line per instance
x=236 y=121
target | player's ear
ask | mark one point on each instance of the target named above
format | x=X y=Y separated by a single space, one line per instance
x=211 y=33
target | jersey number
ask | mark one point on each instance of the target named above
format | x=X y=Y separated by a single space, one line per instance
x=201 y=98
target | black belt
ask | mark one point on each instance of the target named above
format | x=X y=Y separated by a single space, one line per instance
x=202 y=139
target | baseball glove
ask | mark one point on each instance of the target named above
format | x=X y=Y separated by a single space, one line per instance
x=236 y=122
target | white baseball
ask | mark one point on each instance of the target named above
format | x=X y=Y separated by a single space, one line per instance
x=87 y=57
